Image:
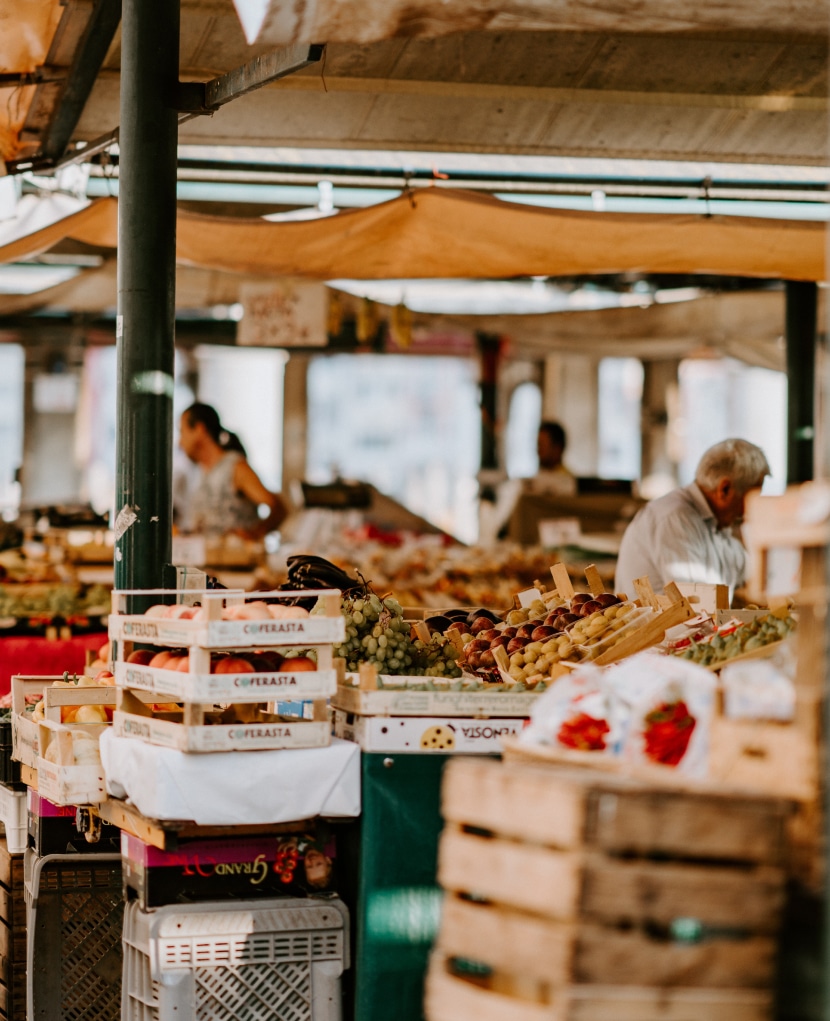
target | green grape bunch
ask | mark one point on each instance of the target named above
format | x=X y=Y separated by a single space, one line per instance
x=377 y=633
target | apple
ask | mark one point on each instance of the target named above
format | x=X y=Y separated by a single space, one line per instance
x=460 y=626
x=173 y=662
x=143 y=657
x=296 y=664
x=184 y=665
x=161 y=659
x=105 y=677
x=104 y=652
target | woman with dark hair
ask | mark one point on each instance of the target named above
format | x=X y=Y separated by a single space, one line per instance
x=229 y=492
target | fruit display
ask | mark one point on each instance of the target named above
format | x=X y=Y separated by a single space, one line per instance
x=53 y=600
x=423 y=571
x=547 y=632
x=71 y=713
x=736 y=639
x=377 y=633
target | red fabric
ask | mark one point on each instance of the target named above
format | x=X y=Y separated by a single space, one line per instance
x=40 y=656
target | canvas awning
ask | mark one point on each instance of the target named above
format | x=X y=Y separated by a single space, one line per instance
x=441 y=232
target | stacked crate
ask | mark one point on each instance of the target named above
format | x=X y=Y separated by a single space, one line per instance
x=12 y=936
x=198 y=689
x=205 y=933
x=577 y=896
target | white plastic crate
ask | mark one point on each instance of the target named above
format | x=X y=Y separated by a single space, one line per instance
x=13 y=815
x=272 y=960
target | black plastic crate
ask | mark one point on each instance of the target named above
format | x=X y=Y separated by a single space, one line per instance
x=53 y=830
x=9 y=769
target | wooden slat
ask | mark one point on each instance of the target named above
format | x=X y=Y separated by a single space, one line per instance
x=522 y=875
x=519 y=943
x=450 y=998
x=686 y=825
x=525 y=801
x=616 y=891
x=632 y=958
x=564 y=953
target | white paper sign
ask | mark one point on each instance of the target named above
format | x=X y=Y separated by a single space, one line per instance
x=287 y=313
x=560 y=532
x=189 y=550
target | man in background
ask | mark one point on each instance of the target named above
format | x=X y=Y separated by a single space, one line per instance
x=693 y=533
x=553 y=478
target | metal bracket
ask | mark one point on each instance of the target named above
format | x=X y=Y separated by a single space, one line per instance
x=193 y=98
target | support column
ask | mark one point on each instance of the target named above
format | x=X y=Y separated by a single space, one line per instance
x=146 y=291
x=295 y=422
x=659 y=393
x=801 y=315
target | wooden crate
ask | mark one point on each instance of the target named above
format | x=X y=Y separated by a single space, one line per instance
x=12 y=936
x=564 y=886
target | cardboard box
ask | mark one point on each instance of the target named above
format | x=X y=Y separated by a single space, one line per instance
x=453 y=735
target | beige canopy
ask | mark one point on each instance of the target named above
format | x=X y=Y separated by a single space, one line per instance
x=444 y=233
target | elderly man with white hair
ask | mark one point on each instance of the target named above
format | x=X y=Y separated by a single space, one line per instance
x=692 y=534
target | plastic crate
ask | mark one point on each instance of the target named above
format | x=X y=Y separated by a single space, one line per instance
x=53 y=830
x=75 y=913
x=13 y=817
x=247 y=961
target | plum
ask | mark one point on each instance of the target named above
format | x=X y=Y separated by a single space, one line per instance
x=516 y=645
x=480 y=624
x=492 y=633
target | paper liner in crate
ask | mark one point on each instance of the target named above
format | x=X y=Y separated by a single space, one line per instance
x=234 y=790
x=230 y=620
x=69 y=770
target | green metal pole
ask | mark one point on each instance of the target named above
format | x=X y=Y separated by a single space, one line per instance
x=146 y=291
x=801 y=315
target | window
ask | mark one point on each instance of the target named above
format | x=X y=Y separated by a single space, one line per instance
x=409 y=425
x=12 y=369
x=620 y=397
x=522 y=430
x=722 y=397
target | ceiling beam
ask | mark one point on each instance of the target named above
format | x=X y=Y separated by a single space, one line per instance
x=770 y=103
x=83 y=37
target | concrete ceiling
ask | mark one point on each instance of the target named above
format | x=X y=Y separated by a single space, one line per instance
x=736 y=88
